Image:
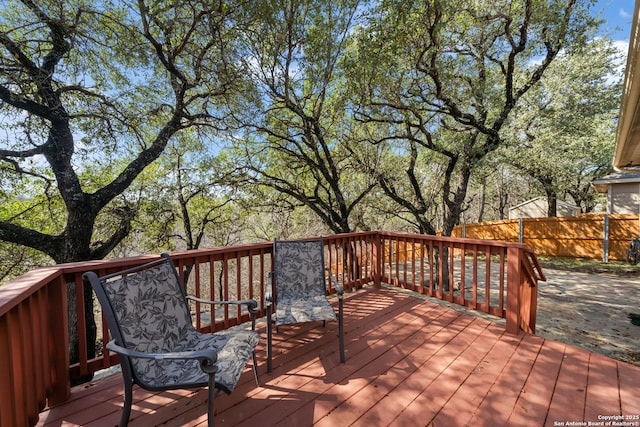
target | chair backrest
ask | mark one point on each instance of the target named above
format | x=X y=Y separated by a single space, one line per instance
x=298 y=267
x=145 y=306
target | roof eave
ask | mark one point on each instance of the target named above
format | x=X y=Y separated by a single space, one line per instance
x=627 y=151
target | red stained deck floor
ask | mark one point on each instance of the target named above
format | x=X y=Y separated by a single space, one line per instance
x=410 y=362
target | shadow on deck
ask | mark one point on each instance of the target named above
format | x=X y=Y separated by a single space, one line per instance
x=410 y=362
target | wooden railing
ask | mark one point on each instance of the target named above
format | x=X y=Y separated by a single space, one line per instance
x=493 y=277
x=482 y=275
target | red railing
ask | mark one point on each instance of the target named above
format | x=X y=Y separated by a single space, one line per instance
x=492 y=277
x=472 y=273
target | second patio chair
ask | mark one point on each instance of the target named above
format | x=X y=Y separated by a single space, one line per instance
x=158 y=347
x=297 y=288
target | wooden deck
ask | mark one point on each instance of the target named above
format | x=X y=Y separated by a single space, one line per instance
x=410 y=362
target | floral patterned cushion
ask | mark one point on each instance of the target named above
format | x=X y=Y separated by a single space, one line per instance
x=307 y=310
x=153 y=316
x=299 y=281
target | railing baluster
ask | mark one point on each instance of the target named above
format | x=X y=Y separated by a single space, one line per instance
x=487 y=279
x=7 y=408
x=501 y=304
x=196 y=292
x=18 y=360
x=27 y=350
x=40 y=333
x=225 y=292
x=262 y=280
x=239 y=294
x=473 y=303
x=250 y=279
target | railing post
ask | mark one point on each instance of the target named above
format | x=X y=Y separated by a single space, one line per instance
x=376 y=250
x=58 y=342
x=522 y=297
x=514 y=255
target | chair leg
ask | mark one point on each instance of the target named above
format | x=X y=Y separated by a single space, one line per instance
x=128 y=401
x=255 y=368
x=210 y=401
x=269 y=333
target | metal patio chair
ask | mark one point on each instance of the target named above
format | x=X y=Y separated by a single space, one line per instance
x=152 y=332
x=297 y=288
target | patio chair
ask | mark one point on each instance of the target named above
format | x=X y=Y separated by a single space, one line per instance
x=297 y=288
x=152 y=332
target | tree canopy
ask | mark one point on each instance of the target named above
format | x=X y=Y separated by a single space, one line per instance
x=153 y=124
x=445 y=78
x=91 y=95
x=298 y=135
x=562 y=136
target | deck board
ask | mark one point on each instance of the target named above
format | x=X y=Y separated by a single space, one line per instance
x=603 y=378
x=397 y=365
x=410 y=361
x=533 y=400
x=479 y=377
x=571 y=385
x=442 y=374
x=629 y=385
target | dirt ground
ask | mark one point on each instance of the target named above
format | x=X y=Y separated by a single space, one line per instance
x=591 y=311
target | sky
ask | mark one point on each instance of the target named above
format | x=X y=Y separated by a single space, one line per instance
x=618 y=14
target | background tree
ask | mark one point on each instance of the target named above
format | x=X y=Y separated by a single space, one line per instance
x=297 y=120
x=167 y=86
x=190 y=202
x=563 y=133
x=453 y=73
x=91 y=94
x=495 y=187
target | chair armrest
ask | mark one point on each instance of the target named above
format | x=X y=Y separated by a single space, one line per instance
x=335 y=283
x=206 y=357
x=252 y=305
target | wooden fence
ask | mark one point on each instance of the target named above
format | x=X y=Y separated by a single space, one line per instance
x=588 y=236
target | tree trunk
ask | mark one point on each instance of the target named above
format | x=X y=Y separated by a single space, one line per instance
x=482 y=201
x=552 y=199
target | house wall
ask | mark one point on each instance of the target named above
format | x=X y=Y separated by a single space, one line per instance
x=536 y=208
x=624 y=198
x=567 y=210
